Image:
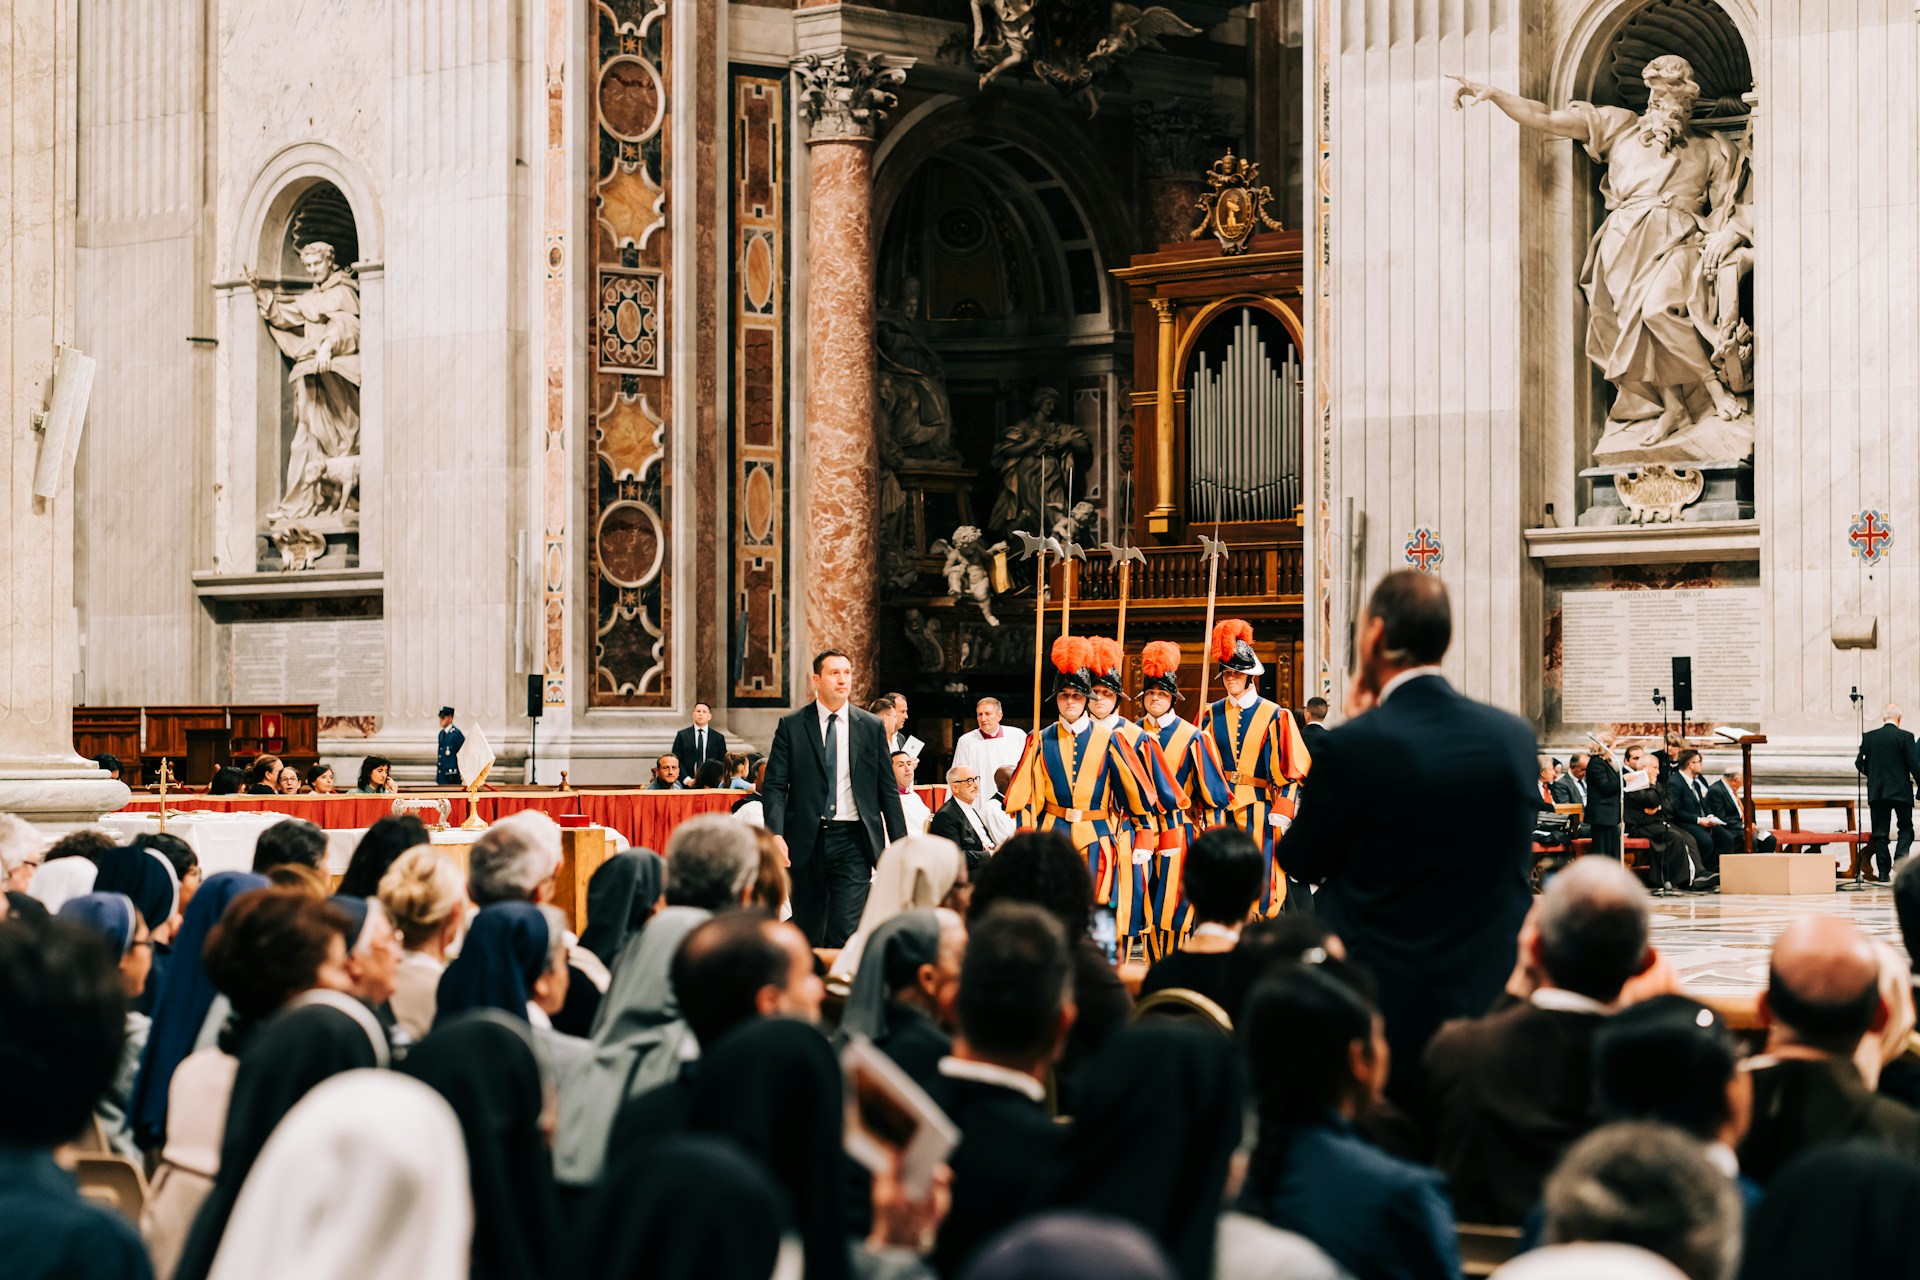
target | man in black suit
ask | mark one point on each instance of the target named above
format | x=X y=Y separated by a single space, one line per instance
x=1602 y=814
x=1314 y=715
x=1571 y=787
x=832 y=802
x=1015 y=1008
x=1509 y=1092
x=961 y=820
x=1430 y=908
x=1887 y=759
x=1687 y=808
x=1723 y=802
x=697 y=743
x=1673 y=857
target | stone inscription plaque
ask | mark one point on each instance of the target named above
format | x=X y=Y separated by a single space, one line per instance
x=1616 y=648
x=340 y=664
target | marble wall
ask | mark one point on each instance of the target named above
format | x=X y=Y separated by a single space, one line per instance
x=1839 y=209
x=144 y=263
x=1427 y=223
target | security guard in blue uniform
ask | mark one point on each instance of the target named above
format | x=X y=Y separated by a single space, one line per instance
x=446 y=769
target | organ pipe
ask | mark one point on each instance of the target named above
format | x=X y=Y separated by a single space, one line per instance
x=1244 y=446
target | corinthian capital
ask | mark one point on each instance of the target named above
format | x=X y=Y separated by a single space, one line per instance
x=844 y=94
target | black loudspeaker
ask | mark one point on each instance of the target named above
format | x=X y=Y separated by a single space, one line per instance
x=533 y=696
x=1683 y=684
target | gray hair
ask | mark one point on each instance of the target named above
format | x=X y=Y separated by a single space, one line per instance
x=512 y=857
x=711 y=859
x=1732 y=771
x=19 y=840
x=1593 y=922
x=1648 y=1185
x=958 y=768
x=984 y=701
x=556 y=936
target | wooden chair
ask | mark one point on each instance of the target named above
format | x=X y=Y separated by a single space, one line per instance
x=1484 y=1248
x=1177 y=1004
x=113 y=1181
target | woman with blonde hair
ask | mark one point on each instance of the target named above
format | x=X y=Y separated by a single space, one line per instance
x=424 y=892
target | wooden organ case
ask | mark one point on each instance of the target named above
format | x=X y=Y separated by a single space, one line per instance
x=1218 y=444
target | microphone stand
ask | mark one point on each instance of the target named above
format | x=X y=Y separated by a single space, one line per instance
x=1859 y=800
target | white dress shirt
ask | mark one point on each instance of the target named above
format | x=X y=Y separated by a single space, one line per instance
x=978 y=823
x=844 y=808
x=1411 y=673
x=699 y=746
x=998 y=822
x=915 y=811
x=987 y=756
x=987 y=1073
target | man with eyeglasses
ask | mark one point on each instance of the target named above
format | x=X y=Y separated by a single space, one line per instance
x=961 y=819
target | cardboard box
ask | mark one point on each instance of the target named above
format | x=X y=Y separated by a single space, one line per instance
x=1776 y=873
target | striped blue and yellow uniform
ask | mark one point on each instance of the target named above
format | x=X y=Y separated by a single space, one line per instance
x=1167 y=801
x=1266 y=760
x=1092 y=788
x=1201 y=777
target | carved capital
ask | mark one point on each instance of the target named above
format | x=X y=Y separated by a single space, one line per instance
x=1163 y=308
x=844 y=94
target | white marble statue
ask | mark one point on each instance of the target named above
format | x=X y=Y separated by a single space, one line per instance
x=319 y=331
x=1662 y=272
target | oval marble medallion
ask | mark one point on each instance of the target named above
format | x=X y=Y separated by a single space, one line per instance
x=629 y=543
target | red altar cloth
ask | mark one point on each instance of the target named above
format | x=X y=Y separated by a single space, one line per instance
x=645 y=818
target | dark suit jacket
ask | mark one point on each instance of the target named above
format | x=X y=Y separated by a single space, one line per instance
x=1603 y=794
x=690 y=760
x=795 y=790
x=1431 y=909
x=1564 y=792
x=950 y=822
x=1506 y=1095
x=1799 y=1104
x=1887 y=759
x=1683 y=803
x=1725 y=807
x=1311 y=734
x=1007 y=1141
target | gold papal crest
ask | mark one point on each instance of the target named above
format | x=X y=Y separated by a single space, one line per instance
x=1237 y=205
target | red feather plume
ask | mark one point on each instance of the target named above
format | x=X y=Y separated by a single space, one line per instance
x=1226 y=634
x=1159 y=658
x=1070 y=654
x=1105 y=655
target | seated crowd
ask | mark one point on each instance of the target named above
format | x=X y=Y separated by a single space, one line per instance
x=425 y=1073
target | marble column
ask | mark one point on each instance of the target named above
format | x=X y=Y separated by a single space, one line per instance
x=842 y=96
x=41 y=778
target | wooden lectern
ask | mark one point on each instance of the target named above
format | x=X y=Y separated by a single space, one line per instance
x=1746 y=745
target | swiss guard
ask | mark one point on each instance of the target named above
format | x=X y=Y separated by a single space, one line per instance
x=446 y=763
x=1197 y=771
x=1260 y=745
x=1083 y=780
x=1164 y=796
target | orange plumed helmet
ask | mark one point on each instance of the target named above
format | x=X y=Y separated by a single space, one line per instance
x=1105 y=663
x=1227 y=635
x=1232 y=647
x=1158 y=662
x=1071 y=654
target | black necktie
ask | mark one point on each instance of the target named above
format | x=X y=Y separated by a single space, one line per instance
x=833 y=761
x=700 y=744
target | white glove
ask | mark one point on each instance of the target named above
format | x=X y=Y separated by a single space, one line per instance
x=1141 y=857
x=1279 y=820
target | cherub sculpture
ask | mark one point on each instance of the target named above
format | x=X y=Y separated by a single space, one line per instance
x=969 y=568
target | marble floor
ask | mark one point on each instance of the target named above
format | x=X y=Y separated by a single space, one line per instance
x=1719 y=942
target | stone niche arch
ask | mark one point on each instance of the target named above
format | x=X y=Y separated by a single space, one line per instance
x=1598 y=59
x=306 y=192
x=1010 y=227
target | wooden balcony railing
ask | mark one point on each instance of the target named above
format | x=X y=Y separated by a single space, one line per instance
x=1252 y=571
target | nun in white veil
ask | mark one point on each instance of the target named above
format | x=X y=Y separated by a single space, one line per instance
x=914 y=873
x=365 y=1179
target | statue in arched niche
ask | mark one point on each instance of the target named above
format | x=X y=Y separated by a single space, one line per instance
x=1662 y=273
x=911 y=383
x=319 y=332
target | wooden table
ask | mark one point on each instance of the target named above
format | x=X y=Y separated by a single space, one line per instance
x=1792 y=809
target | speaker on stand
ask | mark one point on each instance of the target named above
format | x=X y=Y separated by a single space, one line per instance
x=534 y=706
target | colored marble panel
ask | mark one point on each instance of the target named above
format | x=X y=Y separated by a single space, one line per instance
x=759 y=633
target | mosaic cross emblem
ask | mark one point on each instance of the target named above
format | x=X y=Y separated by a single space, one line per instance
x=1424 y=550
x=1869 y=536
